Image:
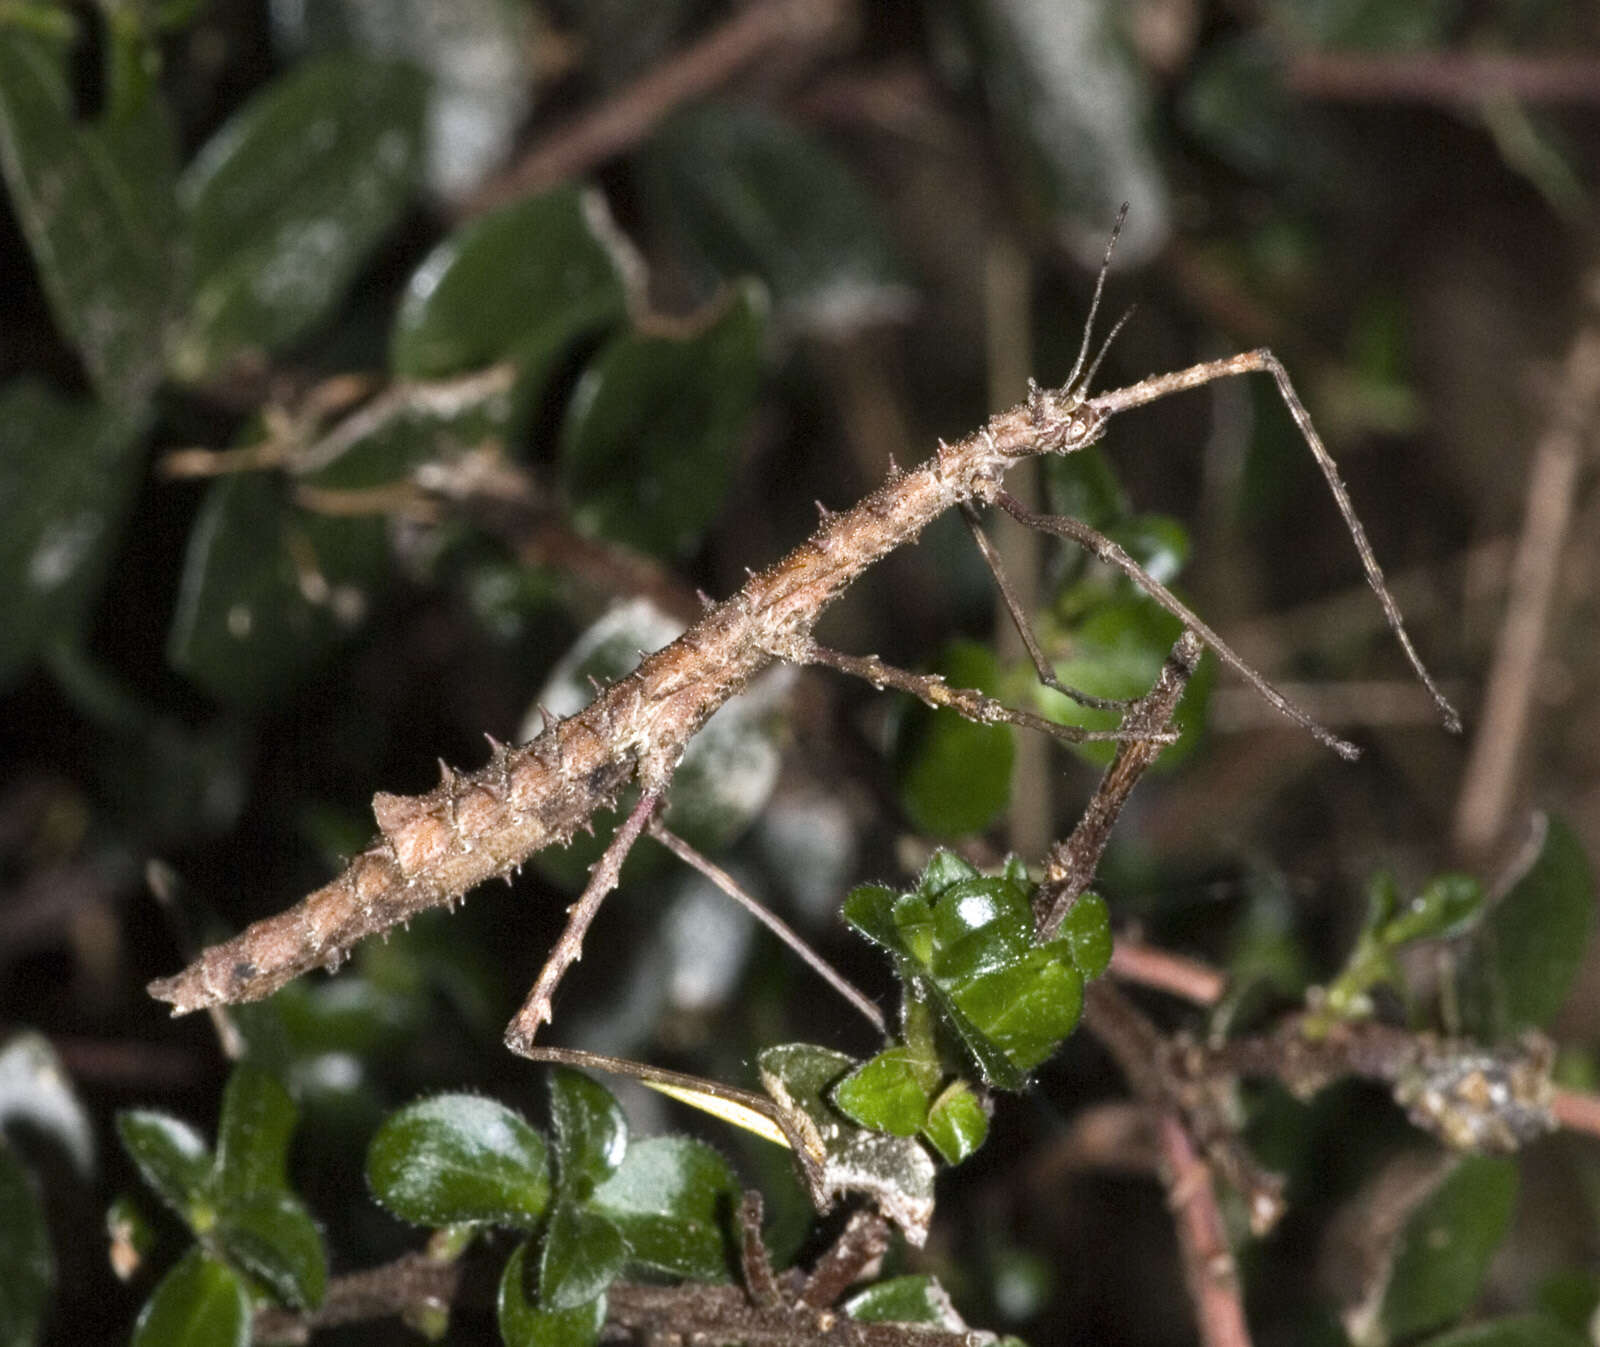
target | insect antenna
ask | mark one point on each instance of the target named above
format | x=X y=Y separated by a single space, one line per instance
x=1094 y=303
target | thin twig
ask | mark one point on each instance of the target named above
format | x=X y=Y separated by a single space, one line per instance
x=1198 y=983
x=967 y=702
x=1070 y=867
x=1209 y=1268
x=1450 y=77
x=774 y=923
x=413 y=1282
x=623 y=121
x=1490 y=782
x=603 y=877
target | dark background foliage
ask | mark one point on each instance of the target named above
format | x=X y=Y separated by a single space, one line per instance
x=921 y=191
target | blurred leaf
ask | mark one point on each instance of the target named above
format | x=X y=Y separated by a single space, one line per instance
x=754 y=194
x=1518 y=1331
x=457 y=1159
x=890 y=1092
x=67 y=475
x=481 y=56
x=1571 y=1298
x=268 y=590
x=1083 y=485
x=1087 y=931
x=1236 y=105
x=1368 y=25
x=173 y=1159
x=591 y=1134
x=27 y=1266
x=286 y=201
x=1445 y=908
x=905 y=1300
x=200 y=1303
x=35 y=1090
x=895 y=1172
x=1436 y=1266
x=1157 y=542
x=648 y=443
x=519 y=284
x=957 y=1123
x=1531 y=943
x=1117 y=650
x=253 y=1134
x=1074 y=112
x=671 y=1199
x=954 y=776
x=271 y=1236
x=582 y=1254
x=524 y=1324
x=96 y=204
x=411 y=424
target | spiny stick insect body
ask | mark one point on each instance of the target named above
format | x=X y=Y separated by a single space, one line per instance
x=475 y=826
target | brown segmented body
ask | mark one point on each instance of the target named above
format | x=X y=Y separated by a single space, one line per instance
x=434 y=848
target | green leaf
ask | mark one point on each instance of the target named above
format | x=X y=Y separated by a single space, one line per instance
x=954 y=776
x=35 y=1089
x=1531 y=943
x=27 y=1266
x=1437 y=1264
x=591 y=1134
x=751 y=193
x=1087 y=931
x=200 y=1303
x=904 y=1300
x=670 y=1199
x=67 y=475
x=96 y=204
x=258 y=1118
x=524 y=1324
x=1446 y=907
x=889 y=1093
x=1029 y=1006
x=583 y=1253
x=1526 y=1330
x=269 y=590
x=173 y=1159
x=648 y=443
x=271 y=1236
x=457 y=1159
x=839 y=1157
x=1157 y=542
x=521 y=283
x=286 y=201
x=957 y=1123
x=869 y=909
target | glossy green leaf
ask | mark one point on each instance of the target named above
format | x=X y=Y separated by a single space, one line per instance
x=271 y=1236
x=67 y=474
x=1157 y=542
x=890 y=1092
x=519 y=284
x=648 y=444
x=582 y=1254
x=904 y=1300
x=1446 y=907
x=1437 y=1264
x=752 y=193
x=671 y=1199
x=1087 y=931
x=957 y=1123
x=523 y=1323
x=35 y=1089
x=173 y=1159
x=1525 y=1330
x=258 y=1118
x=954 y=776
x=869 y=909
x=200 y=1303
x=1530 y=944
x=27 y=1266
x=457 y=1159
x=896 y=1172
x=286 y=201
x=1029 y=1006
x=591 y=1134
x=269 y=590
x=96 y=203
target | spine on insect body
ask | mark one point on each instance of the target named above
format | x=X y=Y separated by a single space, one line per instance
x=433 y=848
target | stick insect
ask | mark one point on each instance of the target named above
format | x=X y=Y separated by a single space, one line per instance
x=434 y=848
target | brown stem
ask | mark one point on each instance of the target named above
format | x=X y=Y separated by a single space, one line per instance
x=624 y=120
x=1209 y=1269
x=1445 y=77
x=1133 y=961
x=413 y=1282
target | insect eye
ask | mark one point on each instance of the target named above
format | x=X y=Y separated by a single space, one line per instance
x=1078 y=427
